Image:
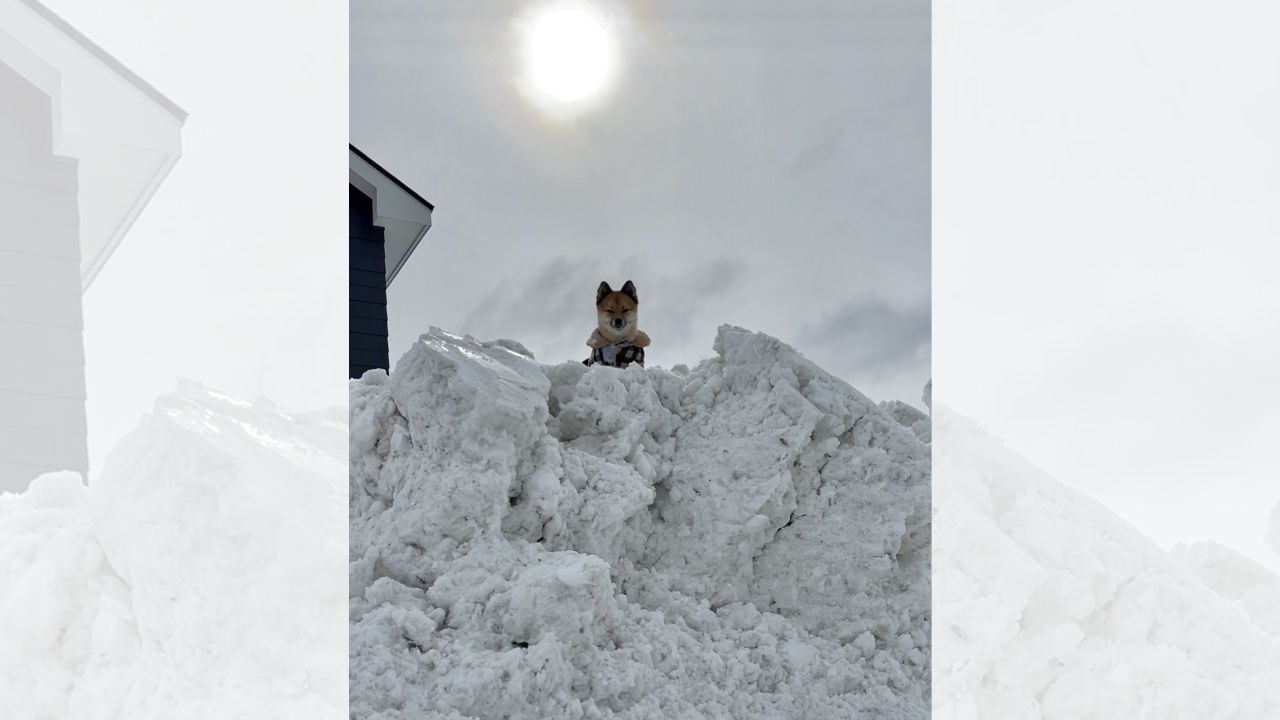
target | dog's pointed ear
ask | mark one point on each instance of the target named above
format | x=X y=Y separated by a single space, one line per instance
x=629 y=289
x=601 y=291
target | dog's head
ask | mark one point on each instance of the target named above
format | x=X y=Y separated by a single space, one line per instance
x=617 y=311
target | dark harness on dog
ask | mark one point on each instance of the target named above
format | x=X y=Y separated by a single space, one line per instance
x=618 y=356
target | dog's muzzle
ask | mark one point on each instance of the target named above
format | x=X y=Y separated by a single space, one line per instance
x=618 y=323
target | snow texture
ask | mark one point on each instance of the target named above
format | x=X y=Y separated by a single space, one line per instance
x=1049 y=606
x=195 y=578
x=746 y=539
x=910 y=417
x=1237 y=579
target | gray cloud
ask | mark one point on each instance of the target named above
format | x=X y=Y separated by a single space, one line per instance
x=872 y=338
x=541 y=303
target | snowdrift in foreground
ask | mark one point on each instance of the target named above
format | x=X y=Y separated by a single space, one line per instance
x=749 y=539
x=198 y=577
x=1051 y=606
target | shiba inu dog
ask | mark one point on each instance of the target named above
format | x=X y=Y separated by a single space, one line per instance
x=617 y=340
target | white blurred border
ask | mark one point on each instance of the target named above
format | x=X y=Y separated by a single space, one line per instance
x=198 y=571
x=1105 y=223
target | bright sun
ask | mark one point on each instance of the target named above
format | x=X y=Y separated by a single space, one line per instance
x=568 y=53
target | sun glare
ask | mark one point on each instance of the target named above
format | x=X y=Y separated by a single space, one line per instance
x=568 y=56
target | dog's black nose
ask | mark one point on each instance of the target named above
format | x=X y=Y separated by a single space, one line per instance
x=619 y=322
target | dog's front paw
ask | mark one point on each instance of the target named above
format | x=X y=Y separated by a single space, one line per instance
x=641 y=340
x=596 y=341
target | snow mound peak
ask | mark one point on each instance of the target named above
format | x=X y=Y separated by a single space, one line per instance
x=746 y=539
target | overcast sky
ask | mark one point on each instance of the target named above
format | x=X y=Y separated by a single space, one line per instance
x=756 y=164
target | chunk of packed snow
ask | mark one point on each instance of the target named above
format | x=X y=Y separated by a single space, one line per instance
x=194 y=578
x=746 y=539
x=910 y=417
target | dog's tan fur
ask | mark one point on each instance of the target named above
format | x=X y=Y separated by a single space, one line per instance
x=614 y=304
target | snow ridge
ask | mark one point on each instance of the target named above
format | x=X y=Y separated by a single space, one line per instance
x=747 y=539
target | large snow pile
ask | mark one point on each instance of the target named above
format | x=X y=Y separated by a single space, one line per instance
x=198 y=576
x=1050 y=606
x=747 y=539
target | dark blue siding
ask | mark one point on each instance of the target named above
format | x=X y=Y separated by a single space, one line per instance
x=367 y=348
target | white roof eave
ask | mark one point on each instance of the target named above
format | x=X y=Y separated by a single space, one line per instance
x=125 y=135
x=404 y=216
